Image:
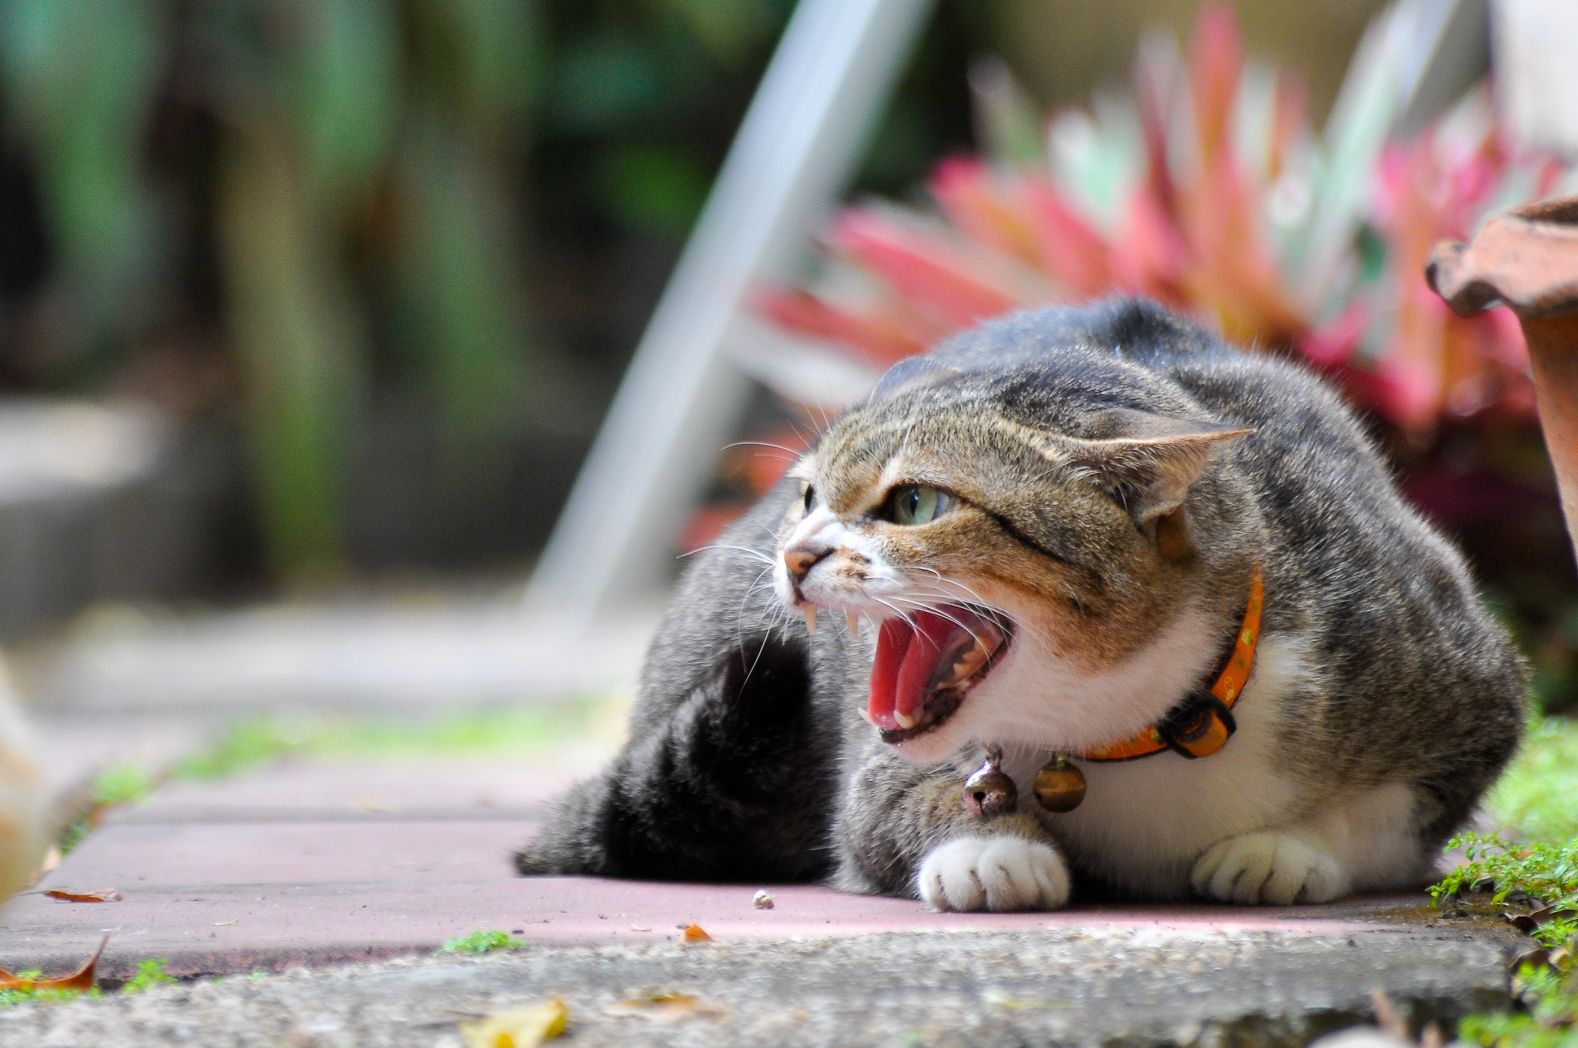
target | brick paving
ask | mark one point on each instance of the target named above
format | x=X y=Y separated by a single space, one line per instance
x=308 y=863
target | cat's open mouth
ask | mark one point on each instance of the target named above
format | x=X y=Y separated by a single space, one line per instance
x=927 y=661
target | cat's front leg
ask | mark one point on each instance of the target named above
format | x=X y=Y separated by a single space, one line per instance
x=1367 y=841
x=905 y=830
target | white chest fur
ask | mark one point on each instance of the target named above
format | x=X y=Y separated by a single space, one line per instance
x=1143 y=823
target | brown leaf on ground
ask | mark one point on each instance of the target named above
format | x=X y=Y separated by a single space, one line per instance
x=102 y=895
x=1539 y=956
x=81 y=979
x=692 y=933
x=523 y=1027
x=666 y=1007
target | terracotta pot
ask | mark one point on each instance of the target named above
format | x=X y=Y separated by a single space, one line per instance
x=1527 y=259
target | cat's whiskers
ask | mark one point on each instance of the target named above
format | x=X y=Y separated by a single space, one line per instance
x=739 y=614
x=755 y=553
x=1019 y=625
x=900 y=612
x=756 y=661
x=939 y=611
x=974 y=594
x=793 y=454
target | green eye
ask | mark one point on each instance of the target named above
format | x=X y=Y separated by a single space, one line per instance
x=913 y=504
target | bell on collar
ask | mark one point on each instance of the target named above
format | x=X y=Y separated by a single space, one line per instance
x=989 y=791
x=1060 y=786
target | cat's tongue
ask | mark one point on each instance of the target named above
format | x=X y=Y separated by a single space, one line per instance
x=909 y=658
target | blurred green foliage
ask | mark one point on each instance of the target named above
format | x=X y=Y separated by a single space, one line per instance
x=305 y=208
x=332 y=160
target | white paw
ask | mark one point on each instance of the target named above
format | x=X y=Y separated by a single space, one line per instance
x=993 y=873
x=1272 y=868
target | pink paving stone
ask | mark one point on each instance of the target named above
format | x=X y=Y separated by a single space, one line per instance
x=317 y=864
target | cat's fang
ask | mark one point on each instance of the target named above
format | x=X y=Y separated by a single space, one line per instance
x=854 y=622
x=809 y=611
x=905 y=720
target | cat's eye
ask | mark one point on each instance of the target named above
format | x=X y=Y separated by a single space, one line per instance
x=917 y=504
x=810 y=497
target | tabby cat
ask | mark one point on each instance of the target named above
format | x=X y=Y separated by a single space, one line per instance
x=1042 y=543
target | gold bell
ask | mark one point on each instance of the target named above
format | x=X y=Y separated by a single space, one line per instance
x=1060 y=786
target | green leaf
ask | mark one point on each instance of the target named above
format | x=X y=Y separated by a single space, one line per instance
x=347 y=77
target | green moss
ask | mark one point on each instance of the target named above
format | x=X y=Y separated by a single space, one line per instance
x=1537 y=800
x=11 y=998
x=116 y=785
x=149 y=973
x=483 y=941
x=73 y=834
x=122 y=784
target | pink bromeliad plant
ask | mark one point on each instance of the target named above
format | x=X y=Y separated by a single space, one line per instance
x=1205 y=192
x=1208 y=189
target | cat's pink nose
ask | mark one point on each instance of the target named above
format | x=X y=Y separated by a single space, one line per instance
x=799 y=559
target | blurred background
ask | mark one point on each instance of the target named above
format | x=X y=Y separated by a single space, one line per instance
x=301 y=296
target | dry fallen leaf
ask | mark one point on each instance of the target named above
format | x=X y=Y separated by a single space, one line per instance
x=102 y=895
x=692 y=933
x=81 y=979
x=522 y=1027
x=665 y=1007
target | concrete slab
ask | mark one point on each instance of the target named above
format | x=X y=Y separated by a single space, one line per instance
x=1100 y=985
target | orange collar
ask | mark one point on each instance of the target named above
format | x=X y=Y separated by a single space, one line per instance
x=1203 y=722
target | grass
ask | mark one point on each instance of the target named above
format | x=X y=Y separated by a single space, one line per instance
x=1537 y=799
x=524 y=729
x=483 y=941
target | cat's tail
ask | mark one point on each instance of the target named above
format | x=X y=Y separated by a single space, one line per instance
x=733 y=783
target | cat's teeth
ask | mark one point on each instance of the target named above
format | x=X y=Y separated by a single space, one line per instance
x=970 y=661
x=854 y=622
x=866 y=716
x=810 y=618
x=905 y=720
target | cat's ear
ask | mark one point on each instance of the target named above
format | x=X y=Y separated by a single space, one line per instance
x=1150 y=463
